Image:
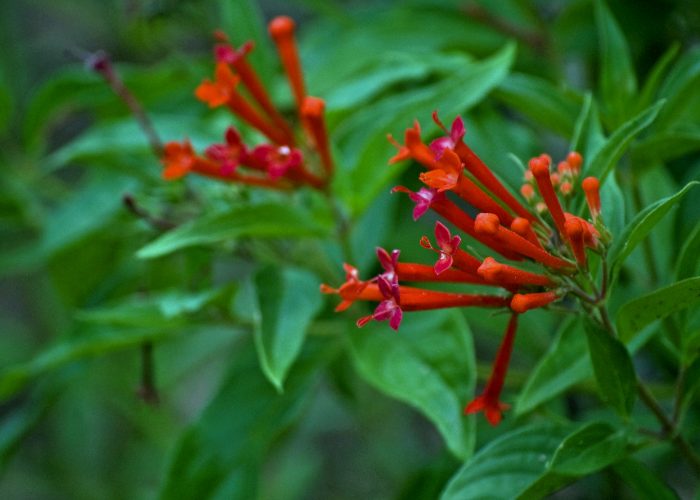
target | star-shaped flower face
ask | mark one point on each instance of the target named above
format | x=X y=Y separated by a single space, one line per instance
x=277 y=160
x=218 y=92
x=178 y=159
x=453 y=137
x=230 y=154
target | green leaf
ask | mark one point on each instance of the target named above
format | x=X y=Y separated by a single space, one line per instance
x=612 y=198
x=610 y=153
x=152 y=310
x=428 y=364
x=613 y=369
x=507 y=466
x=640 y=227
x=565 y=364
x=286 y=301
x=219 y=455
x=647 y=485
x=666 y=146
x=94 y=342
x=687 y=262
x=593 y=447
x=264 y=220
x=653 y=80
x=534 y=461
x=637 y=313
x=538 y=99
x=618 y=83
x=682 y=90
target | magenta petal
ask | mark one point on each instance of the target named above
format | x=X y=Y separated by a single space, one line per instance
x=454 y=242
x=438 y=146
x=457 y=131
x=385 y=287
x=442 y=234
x=384 y=310
x=384 y=259
x=396 y=317
x=420 y=209
x=443 y=263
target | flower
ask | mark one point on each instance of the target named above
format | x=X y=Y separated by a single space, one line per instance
x=517 y=231
x=283 y=161
x=489 y=400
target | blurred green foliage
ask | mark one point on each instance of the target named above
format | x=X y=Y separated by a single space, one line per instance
x=265 y=392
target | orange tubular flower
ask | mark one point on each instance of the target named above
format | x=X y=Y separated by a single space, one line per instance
x=312 y=112
x=445 y=160
x=237 y=58
x=281 y=30
x=540 y=169
x=524 y=302
x=502 y=274
x=278 y=163
x=574 y=232
x=489 y=224
x=489 y=400
x=591 y=187
x=522 y=227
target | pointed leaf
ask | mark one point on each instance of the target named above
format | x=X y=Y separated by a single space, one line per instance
x=219 y=456
x=264 y=220
x=637 y=313
x=613 y=369
x=429 y=364
x=287 y=301
x=508 y=466
x=565 y=364
x=609 y=154
x=640 y=227
x=618 y=82
x=591 y=448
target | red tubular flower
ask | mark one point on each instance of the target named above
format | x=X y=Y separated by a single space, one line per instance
x=574 y=232
x=237 y=58
x=591 y=187
x=521 y=303
x=389 y=308
x=281 y=30
x=421 y=272
x=489 y=400
x=445 y=173
x=178 y=159
x=438 y=202
x=488 y=224
x=223 y=91
x=504 y=275
x=230 y=154
x=450 y=253
x=522 y=227
x=540 y=169
x=312 y=112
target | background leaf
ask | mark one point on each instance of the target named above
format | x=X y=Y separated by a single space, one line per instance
x=429 y=364
x=266 y=220
x=637 y=313
x=612 y=367
x=286 y=301
x=640 y=227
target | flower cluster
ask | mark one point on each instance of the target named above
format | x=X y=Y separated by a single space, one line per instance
x=538 y=234
x=283 y=161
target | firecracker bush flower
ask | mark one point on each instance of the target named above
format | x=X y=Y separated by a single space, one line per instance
x=292 y=156
x=537 y=233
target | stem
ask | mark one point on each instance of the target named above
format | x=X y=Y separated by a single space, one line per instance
x=669 y=428
x=148 y=392
x=668 y=425
x=101 y=63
